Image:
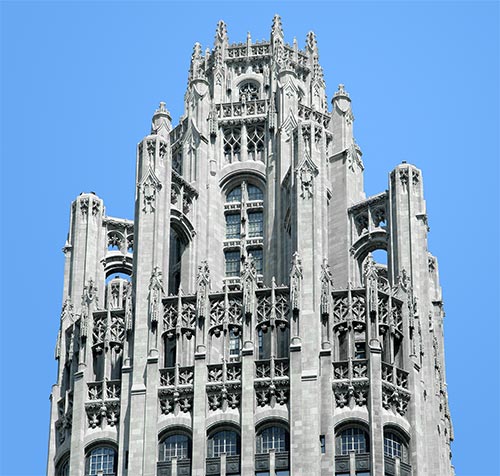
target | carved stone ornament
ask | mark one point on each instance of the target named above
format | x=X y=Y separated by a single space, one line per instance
x=306 y=172
x=353 y=154
x=155 y=295
x=326 y=284
x=249 y=282
x=296 y=282
x=150 y=186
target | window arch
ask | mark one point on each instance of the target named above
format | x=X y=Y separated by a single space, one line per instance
x=353 y=439
x=395 y=445
x=101 y=459
x=225 y=441
x=62 y=468
x=273 y=437
x=174 y=445
x=249 y=90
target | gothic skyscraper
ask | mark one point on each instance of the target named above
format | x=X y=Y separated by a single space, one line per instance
x=240 y=325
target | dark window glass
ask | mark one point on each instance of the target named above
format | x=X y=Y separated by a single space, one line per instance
x=101 y=459
x=392 y=445
x=233 y=226
x=225 y=441
x=232 y=263
x=360 y=350
x=174 y=446
x=234 y=343
x=234 y=195
x=272 y=438
x=255 y=224
x=254 y=193
x=352 y=439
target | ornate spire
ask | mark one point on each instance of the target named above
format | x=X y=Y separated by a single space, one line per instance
x=277 y=28
x=220 y=34
x=161 y=123
x=341 y=92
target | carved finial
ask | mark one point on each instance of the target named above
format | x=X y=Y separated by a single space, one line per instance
x=277 y=28
x=311 y=42
x=161 y=123
x=249 y=38
x=341 y=91
x=221 y=32
x=403 y=280
x=203 y=276
x=370 y=268
x=196 y=51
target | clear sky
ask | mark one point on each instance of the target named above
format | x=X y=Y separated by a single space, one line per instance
x=81 y=80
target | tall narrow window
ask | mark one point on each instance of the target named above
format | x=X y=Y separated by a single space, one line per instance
x=234 y=343
x=232 y=144
x=233 y=226
x=232 y=263
x=255 y=224
x=247 y=220
x=170 y=351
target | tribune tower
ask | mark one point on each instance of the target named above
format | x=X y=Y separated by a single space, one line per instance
x=240 y=325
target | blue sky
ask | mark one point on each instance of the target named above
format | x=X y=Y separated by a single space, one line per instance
x=80 y=82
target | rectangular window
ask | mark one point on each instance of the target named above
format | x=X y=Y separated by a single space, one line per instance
x=258 y=259
x=232 y=263
x=234 y=344
x=322 y=444
x=255 y=224
x=360 y=350
x=233 y=226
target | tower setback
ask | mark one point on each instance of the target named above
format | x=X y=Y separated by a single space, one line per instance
x=240 y=324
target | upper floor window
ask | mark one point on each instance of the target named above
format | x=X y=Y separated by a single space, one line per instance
x=234 y=343
x=250 y=91
x=353 y=440
x=101 y=461
x=272 y=438
x=63 y=468
x=255 y=224
x=234 y=195
x=233 y=226
x=175 y=446
x=395 y=446
x=254 y=193
x=233 y=261
x=225 y=441
x=232 y=144
x=246 y=221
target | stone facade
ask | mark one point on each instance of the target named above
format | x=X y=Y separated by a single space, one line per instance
x=240 y=324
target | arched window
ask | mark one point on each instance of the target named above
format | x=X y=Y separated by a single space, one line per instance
x=352 y=439
x=254 y=193
x=63 y=467
x=272 y=438
x=224 y=441
x=175 y=446
x=244 y=220
x=101 y=460
x=395 y=446
x=250 y=91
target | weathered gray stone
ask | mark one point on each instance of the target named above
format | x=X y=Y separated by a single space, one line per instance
x=248 y=296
